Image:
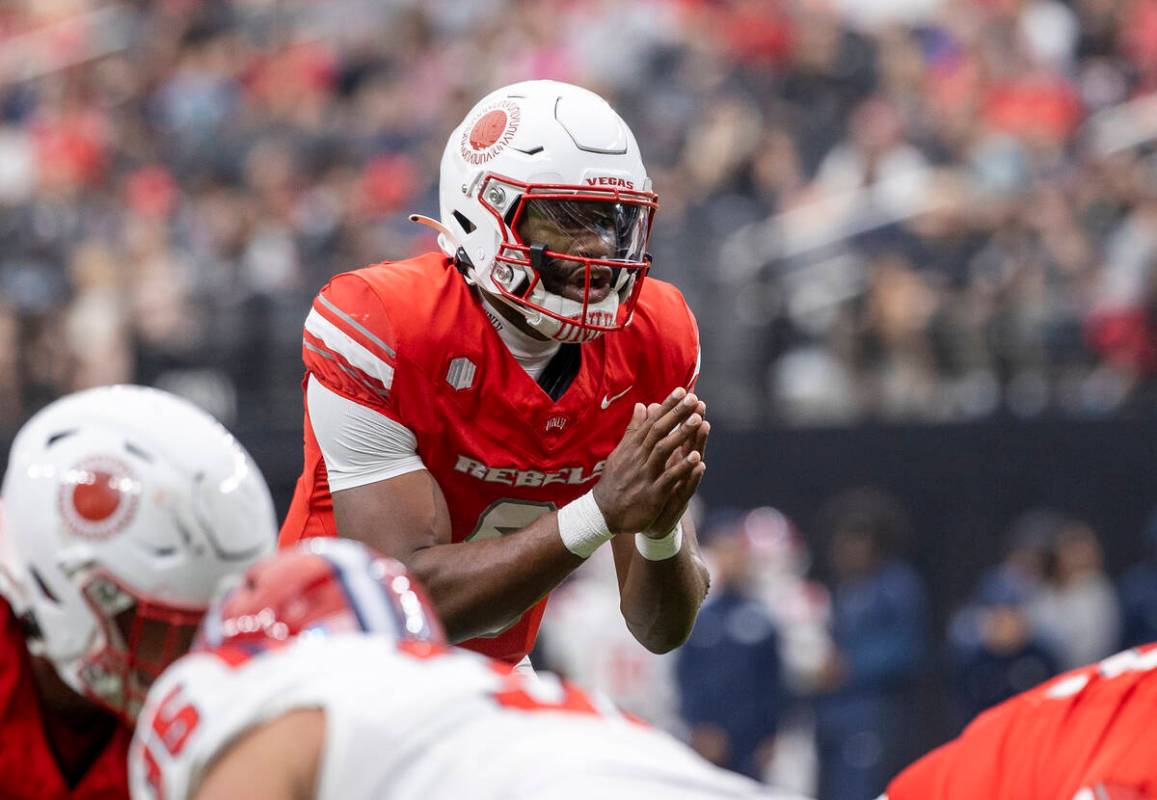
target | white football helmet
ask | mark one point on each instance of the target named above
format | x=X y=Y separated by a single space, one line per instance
x=546 y=156
x=122 y=509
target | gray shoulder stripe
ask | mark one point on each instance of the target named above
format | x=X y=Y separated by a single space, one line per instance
x=316 y=349
x=363 y=330
x=379 y=392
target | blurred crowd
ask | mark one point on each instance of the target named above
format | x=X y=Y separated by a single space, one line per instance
x=914 y=209
x=827 y=675
x=917 y=210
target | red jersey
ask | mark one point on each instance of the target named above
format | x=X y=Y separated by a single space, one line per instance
x=28 y=769
x=411 y=340
x=1083 y=735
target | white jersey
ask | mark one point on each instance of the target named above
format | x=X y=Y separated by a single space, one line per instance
x=405 y=727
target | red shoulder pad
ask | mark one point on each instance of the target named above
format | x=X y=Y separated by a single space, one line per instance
x=667 y=331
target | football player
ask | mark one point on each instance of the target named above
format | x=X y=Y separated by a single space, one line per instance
x=122 y=508
x=323 y=674
x=466 y=409
x=1084 y=735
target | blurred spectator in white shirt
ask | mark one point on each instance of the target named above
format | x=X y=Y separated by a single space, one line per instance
x=1076 y=609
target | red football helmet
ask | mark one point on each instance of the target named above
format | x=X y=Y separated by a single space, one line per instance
x=320 y=587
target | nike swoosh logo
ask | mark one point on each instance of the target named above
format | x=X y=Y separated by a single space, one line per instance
x=608 y=399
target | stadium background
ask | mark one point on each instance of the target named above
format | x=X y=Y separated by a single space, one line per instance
x=920 y=235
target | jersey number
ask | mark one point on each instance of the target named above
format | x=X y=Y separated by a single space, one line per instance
x=175 y=721
x=507 y=516
x=500 y=518
x=173 y=724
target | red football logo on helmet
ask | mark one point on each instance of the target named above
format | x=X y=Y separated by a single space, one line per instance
x=490 y=131
x=99 y=497
x=487 y=129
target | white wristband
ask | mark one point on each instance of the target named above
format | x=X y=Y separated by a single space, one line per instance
x=660 y=549
x=582 y=527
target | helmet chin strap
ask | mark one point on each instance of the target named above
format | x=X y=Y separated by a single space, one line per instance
x=530 y=318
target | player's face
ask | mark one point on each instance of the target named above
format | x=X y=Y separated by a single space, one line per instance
x=586 y=228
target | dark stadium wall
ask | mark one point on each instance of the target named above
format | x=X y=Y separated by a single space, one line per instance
x=961 y=484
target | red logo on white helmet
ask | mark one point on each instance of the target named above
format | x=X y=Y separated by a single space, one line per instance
x=489 y=131
x=99 y=498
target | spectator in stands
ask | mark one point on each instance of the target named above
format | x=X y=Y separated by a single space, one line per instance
x=800 y=606
x=1028 y=558
x=1138 y=592
x=1076 y=610
x=995 y=652
x=1124 y=326
x=224 y=156
x=585 y=640
x=996 y=647
x=879 y=629
x=729 y=673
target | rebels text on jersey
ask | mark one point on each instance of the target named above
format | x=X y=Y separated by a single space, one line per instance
x=412 y=341
x=1084 y=735
x=28 y=768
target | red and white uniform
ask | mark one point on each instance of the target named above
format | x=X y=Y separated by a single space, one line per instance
x=410 y=341
x=28 y=768
x=1085 y=735
x=438 y=725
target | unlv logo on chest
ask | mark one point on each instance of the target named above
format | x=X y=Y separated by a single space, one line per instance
x=98 y=497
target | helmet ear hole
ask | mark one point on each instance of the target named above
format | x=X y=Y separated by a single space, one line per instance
x=42 y=585
x=466 y=224
x=30 y=626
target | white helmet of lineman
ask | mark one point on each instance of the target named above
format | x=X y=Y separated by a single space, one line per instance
x=123 y=507
x=544 y=153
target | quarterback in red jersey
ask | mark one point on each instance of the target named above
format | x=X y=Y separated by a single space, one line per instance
x=122 y=508
x=466 y=409
x=1085 y=735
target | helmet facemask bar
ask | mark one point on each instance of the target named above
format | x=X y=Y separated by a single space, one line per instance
x=597 y=248
x=141 y=639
